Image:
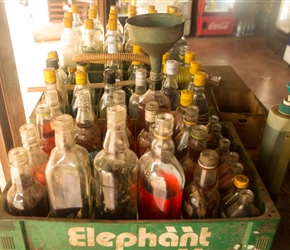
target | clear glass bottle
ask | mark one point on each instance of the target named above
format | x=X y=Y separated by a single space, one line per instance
x=143 y=141
x=231 y=159
x=37 y=157
x=135 y=64
x=154 y=93
x=116 y=170
x=223 y=149
x=201 y=197
x=51 y=100
x=61 y=74
x=197 y=143
x=98 y=29
x=161 y=178
x=95 y=15
x=227 y=181
x=70 y=80
x=68 y=174
x=92 y=39
x=128 y=43
x=44 y=128
x=193 y=68
x=214 y=136
x=140 y=90
x=170 y=87
x=77 y=23
x=26 y=196
x=114 y=11
x=244 y=206
x=181 y=140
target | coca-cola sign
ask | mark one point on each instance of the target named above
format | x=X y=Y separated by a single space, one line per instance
x=224 y=25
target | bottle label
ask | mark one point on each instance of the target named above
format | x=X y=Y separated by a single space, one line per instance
x=112 y=44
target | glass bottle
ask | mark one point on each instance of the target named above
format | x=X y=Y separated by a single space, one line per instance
x=197 y=143
x=188 y=58
x=69 y=45
x=92 y=39
x=165 y=58
x=199 y=98
x=227 y=181
x=154 y=93
x=87 y=133
x=244 y=206
x=140 y=90
x=223 y=149
x=194 y=67
x=26 y=196
x=231 y=159
x=231 y=196
x=60 y=73
x=170 y=87
x=128 y=43
x=70 y=80
x=181 y=140
x=114 y=11
x=201 y=197
x=161 y=178
x=116 y=170
x=77 y=23
x=143 y=142
x=98 y=29
x=135 y=64
x=37 y=157
x=51 y=100
x=68 y=174
x=214 y=136
x=95 y=16
x=44 y=128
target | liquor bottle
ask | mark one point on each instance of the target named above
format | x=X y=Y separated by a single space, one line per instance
x=26 y=196
x=127 y=41
x=165 y=58
x=68 y=174
x=231 y=159
x=92 y=39
x=151 y=9
x=140 y=90
x=114 y=10
x=197 y=143
x=199 y=98
x=201 y=197
x=60 y=73
x=227 y=181
x=69 y=45
x=193 y=69
x=51 y=99
x=244 y=206
x=95 y=16
x=161 y=178
x=135 y=64
x=214 y=136
x=77 y=23
x=231 y=196
x=223 y=149
x=154 y=93
x=170 y=87
x=70 y=80
x=44 y=128
x=181 y=140
x=116 y=170
x=98 y=27
x=37 y=157
x=143 y=142
x=188 y=58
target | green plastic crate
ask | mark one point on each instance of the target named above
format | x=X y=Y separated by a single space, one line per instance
x=217 y=234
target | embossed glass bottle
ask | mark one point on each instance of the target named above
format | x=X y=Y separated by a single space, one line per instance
x=161 y=178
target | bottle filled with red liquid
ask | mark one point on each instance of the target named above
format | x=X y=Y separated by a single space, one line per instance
x=161 y=178
x=26 y=196
x=44 y=128
x=37 y=157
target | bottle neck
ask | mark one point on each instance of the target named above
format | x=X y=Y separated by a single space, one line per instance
x=162 y=147
x=206 y=179
x=65 y=139
x=170 y=83
x=84 y=116
x=21 y=177
x=155 y=84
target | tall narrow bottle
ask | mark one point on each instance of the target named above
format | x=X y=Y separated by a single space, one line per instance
x=98 y=27
x=161 y=178
x=37 y=157
x=68 y=174
x=77 y=22
x=51 y=100
x=116 y=170
x=26 y=196
x=194 y=67
x=95 y=16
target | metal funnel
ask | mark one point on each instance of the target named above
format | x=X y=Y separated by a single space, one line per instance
x=155 y=34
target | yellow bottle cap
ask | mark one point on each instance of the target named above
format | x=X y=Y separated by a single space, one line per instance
x=114 y=7
x=68 y=14
x=132 y=7
x=52 y=54
x=241 y=181
x=168 y=8
x=199 y=78
x=194 y=67
x=67 y=22
x=186 y=97
x=94 y=7
x=81 y=77
x=151 y=9
x=113 y=16
x=75 y=9
x=49 y=75
x=112 y=24
x=136 y=63
x=172 y=10
x=132 y=13
x=189 y=57
x=82 y=67
x=92 y=13
x=165 y=57
x=89 y=24
x=137 y=49
x=71 y=69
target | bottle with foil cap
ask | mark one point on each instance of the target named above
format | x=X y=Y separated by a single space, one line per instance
x=199 y=98
x=68 y=162
x=223 y=149
x=231 y=196
x=231 y=159
x=99 y=31
x=116 y=171
x=143 y=142
x=44 y=128
x=161 y=178
x=26 y=196
x=214 y=136
x=194 y=67
x=170 y=87
x=227 y=181
x=37 y=158
x=140 y=90
x=51 y=100
x=77 y=23
x=69 y=45
x=197 y=143
x=181 y=140
x=92 y=39
x=201 y=199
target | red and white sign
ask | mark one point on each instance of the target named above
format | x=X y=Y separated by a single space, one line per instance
x=215 y=25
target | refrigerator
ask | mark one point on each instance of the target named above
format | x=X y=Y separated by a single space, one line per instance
x=215 y=17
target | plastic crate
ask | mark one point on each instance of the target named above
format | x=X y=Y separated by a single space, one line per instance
x=221 y=233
